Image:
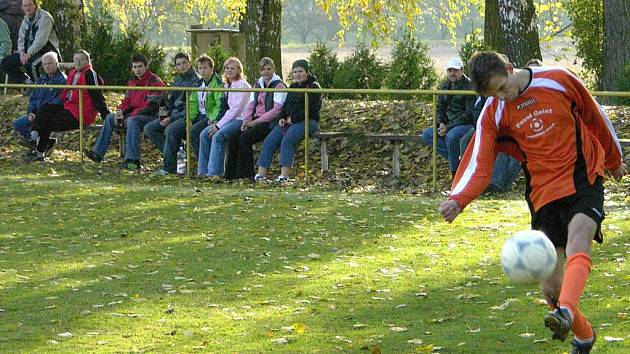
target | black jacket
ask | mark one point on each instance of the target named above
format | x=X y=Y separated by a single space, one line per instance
x=294 y=104
x=454 y=110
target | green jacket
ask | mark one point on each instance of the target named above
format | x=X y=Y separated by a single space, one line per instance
x=5 y=39
x=213 y=100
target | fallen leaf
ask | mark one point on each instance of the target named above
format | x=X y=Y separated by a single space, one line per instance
x=399 y=329
x=415 y=341
x=299 y=328
x=65 y=335
x=281 y=340
x=613 y=339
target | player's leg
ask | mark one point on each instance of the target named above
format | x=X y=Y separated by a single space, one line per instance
x=550 y=287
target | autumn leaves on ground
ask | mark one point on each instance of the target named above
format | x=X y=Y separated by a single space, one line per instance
x=121 y=262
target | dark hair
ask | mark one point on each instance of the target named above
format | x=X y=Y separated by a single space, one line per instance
x=180 y=55
x=139 y=58
x=204 y=58
x=484 y=66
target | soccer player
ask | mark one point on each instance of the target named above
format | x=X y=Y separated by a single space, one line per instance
x=547 y=119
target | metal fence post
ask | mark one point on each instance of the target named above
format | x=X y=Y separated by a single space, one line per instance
x=306 y=116
x=187 y=134
x=81 y=126
x=434 y=152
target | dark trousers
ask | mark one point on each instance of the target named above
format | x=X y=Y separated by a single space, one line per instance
x=231 y=157
x=13 y=67
x=52 y=118
x=245 y=164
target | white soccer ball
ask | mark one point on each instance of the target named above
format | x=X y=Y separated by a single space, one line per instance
x=528 y=257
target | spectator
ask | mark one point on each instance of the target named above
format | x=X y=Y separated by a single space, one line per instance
x=203 y=109
x=289 y=129
x=37 y=36
x=138 y=108
x=55 y=118
x=168 y=133
x=5 y=39
x=262 y=109
x=214 y=138
x=11 y=12
x=40 y=97
x=454 y=114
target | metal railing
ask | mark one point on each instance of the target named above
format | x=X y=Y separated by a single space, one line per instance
x=188 y=90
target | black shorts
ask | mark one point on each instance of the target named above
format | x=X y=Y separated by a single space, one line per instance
x=553 y=219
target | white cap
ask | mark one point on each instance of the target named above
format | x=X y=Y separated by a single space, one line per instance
x=454 y=63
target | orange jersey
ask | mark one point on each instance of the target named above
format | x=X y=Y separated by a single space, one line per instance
x=555 y=128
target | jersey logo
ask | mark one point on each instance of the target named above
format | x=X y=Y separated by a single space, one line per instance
x=529 y=102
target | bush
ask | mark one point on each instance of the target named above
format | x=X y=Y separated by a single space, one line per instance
x=411 y=68
x=324 y=64
x=472 y=43
x=623 y=84
x=111 y=51
x=361 y=70
x=220 y=55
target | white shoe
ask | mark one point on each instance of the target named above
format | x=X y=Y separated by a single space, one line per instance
x=280 y=179
x=259 y=178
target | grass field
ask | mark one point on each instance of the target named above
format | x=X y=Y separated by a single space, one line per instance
x=125 y=263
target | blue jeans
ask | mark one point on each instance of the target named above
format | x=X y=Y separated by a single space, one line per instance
x=448 y=146
x=134 y=129
x=284 y=138
x=23 y=127
x=212 y=152
x=506 y=168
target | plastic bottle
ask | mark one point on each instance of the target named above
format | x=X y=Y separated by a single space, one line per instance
x=181 y=161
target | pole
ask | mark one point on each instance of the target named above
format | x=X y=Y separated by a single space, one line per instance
x=434 y=152
x=81 y=126
x=187 y=135
x=306 y=137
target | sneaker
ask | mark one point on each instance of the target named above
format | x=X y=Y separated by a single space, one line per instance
x=559 y=322
x=161 y=172
x=92 y=155
x=27 y=143
x=33 y=156
x=280 y=180
x=583 y=348
x=131 y=165
x=50 y=147
x=259 y=178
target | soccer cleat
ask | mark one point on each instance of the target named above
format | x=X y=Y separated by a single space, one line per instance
x=92 y=155
x=559 y=322
x=583 y=348
x=50 y=147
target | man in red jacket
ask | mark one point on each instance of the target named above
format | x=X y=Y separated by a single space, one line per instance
x=138 y=108
x=57 y=118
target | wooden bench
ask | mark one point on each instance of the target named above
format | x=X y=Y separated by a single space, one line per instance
x=625 y=145
x=395 y=139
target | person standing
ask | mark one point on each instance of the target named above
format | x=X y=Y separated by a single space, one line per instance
x=545 y=117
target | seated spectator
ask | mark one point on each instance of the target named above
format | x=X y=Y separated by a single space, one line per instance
x=288 y=129
x=262 y=109
x=214 y=138
x=167 y=134
x=204 y=107
x=454 y=113
x=36 y=37
x=5 y=39
x=138 y=108
x=56 y=118
x=40 y=97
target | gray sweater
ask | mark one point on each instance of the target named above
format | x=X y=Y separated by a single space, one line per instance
x=36 y=32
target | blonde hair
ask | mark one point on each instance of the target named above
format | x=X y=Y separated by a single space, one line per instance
x=266 y=61
x=239 y=68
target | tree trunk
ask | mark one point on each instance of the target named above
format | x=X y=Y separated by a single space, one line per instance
x=262 y=26
x=616 y=51
x=69 y=20
x=510 y=28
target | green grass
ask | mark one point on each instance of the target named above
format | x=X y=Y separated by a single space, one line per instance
x=127 y=263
